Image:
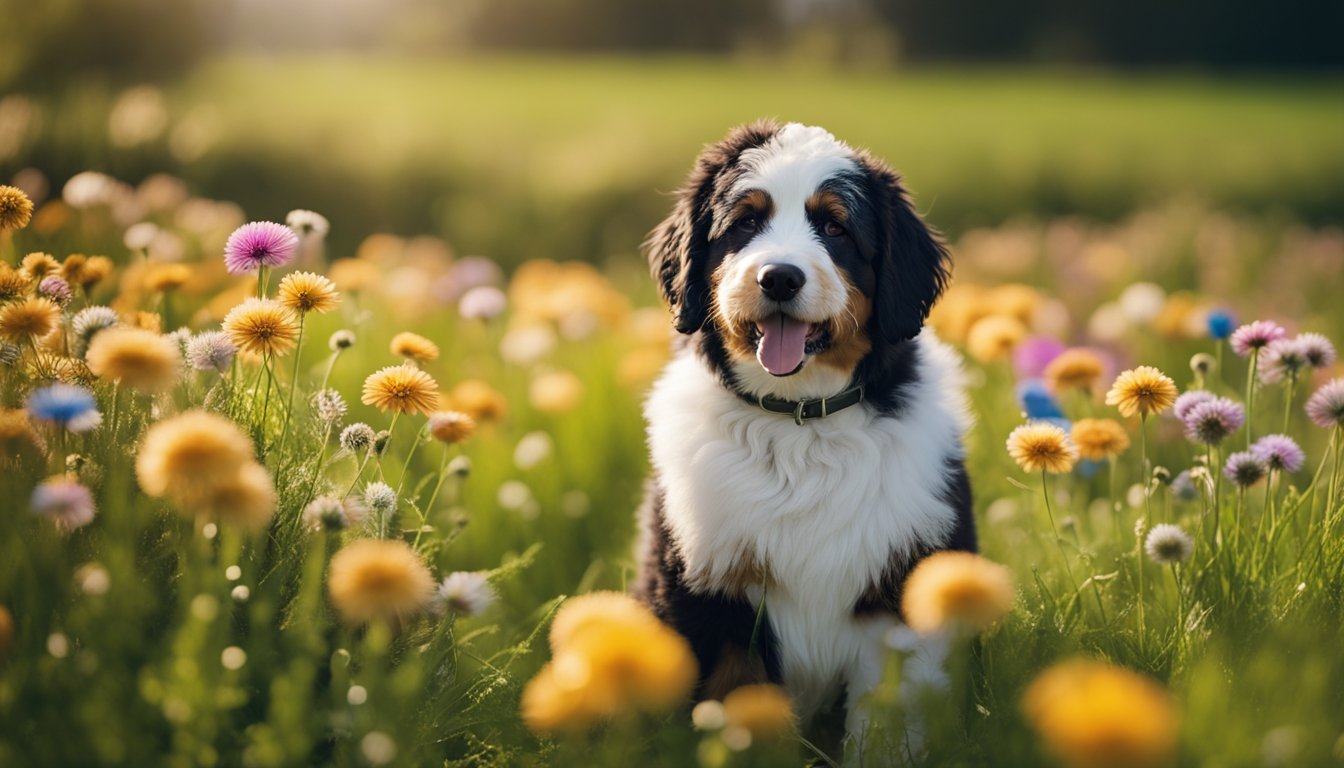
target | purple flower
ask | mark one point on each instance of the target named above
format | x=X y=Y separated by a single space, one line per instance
x=1282 y=359
x=1320 y=353
x=56 y=289
x=1279 y=452
x=1032 y=356
x=1188 y=400
x=1255 y=335
x=65 y=502
x=259 y=244
x=1244 y=469
x=1212 y=421
x=1326 y=407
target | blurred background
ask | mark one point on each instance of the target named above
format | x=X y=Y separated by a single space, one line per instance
x=556 y=128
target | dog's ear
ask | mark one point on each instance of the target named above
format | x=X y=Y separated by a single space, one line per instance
x=912 y=263
x=678 y=248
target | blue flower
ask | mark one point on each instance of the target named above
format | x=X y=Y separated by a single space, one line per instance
x=70 y=406
x=1037 y=401
x=1221 y=324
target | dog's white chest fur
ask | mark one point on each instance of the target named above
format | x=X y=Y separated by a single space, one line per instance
x=821 y=507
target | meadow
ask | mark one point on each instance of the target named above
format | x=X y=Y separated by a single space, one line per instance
x=176 y=606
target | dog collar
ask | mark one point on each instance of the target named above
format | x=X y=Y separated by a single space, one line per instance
x=806 y=410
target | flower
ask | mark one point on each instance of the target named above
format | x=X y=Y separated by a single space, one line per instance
x=1318 y=349
x=1279 y=452
x=87 y=322
x=18 y=441
x=32 y=318
x=1211 y=421
x=1168 y=544
x=138 y=358
x=341 y=340
x=1188 y=400
x=1325 y=408
x=13 y=283
x=138 y=237
x=467 y=593
x=1282 y=359
x=55 y=288
x=1220 y=324
x=380 y=498
x=374 y=579
x=261 y=326
x=259 y=244
x=93 y=272
x=993 y=338
x=67 y=405
x=16 y=210
x=1183 y=485
x=1031 y=357
x=1202 y=364
x=210 y=351
x=332 y=514
x=304 y=292
x=451 y=426
x=1037 y=401
x=39 y=265
x=402 y=389
x=165 y=277
x=188 y=454
x=1143 y=390
x=413 y=346
x=1038 y=446
x=762 y=710
x=246 y=499
x=1256 y=335
x=1244 y=469
x=956 y=590
x=1099 y=439
x=477 y=399
x=307 y=223
x=555 y=392
x=357 y=437
x=1074 y=369
x=329 y=406
x=1091 y=714
x=64 y=501
x=482 y=303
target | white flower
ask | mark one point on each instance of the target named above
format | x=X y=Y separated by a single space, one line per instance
x=467 y=593
x=381 y=498
x=532 y=449
x=308 y=224
x=138 y=237
x=1168 y=544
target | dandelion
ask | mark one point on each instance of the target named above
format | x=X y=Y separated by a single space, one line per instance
x=1188 y=400
x=763 y=711
x=13 y=284
x=1220 y=324
x=1244 y=469
x=329 y=406
x=1095 y=715
x=591 y=612
x=261 y=326
x=65 y=405
x=1168 y=544
x=466 y=593
x=1279 y=452
x=1255 y=336
x=1074 y=369
x=65 y=502
x=341 y=340
x=992 y=338
x=1099 y=439
x=357 y=438
x=1325 y=408
x=186 y=455
x=1042 y=447
x=211 y=351
x=451 y=427
x=304 y=292
x=16 y=210
x=413 y=346
x=29 y=319
x=1318 y=350
x=56 y=289
x=1281 y=360
x=956 y=590
x=483 y=302
x=87 y=322
x=307 y=223
x=162 y=278
x=135 y=357
x=1143 y=390
x=402 y=389
x=1210 y=422
x=259 y=244
x=372 y=579
x=246 y=499
x=39 y=265
x=555 y=392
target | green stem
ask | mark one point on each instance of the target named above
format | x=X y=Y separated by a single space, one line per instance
x=1147 y=521
x=293 y=388
x=1288 y=400
x=1250 y=393
x=406 y=466
x=391 y=428
x=443 y=472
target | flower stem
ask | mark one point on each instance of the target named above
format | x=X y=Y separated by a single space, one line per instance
x=1250 y=394
x=293 y=388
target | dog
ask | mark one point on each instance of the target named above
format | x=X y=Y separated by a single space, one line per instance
x=806 y=437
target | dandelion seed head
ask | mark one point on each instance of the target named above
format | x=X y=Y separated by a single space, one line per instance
x=211 y=351
x=329 y=406
x=1168 y=544
x=381 y=498
x=328 y=513
x=341 y=340
x=466 y=593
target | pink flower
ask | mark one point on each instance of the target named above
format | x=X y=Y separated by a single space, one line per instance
x=259 y=244
x=1255 y=335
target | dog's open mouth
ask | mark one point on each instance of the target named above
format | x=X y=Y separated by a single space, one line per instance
x=783 y=342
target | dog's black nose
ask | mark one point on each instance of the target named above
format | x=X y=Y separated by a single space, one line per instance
x=780 y=282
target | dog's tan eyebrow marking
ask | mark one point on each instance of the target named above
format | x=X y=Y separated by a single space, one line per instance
x=756 y=202
x=829 y=203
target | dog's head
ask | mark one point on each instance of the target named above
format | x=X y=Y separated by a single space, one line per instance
x=797 y=257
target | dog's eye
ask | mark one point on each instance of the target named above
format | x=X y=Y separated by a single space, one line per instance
x=746 y=224
x=832 y=229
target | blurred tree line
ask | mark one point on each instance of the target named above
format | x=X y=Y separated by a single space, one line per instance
x=48 y=42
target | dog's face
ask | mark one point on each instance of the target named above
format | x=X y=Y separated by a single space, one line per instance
x=798 y=257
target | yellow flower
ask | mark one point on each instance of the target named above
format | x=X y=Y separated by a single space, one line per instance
x=413 y=346
x=1144 y=390
x=138 y=358
x=763 y=710
x=16 y=210
x=72 y=269
x=993 y=338
x=956 y=590
x=1099 y=439
x=477 y=399
x=262 y=327
x=245 y=499
x=39 y=265
x=400 y=388
x=31 y=318
x=187 y=455
x=354 y=274
x=13 y=283
x=70 y=370
x=150 y=321
x=555 y=392
x=166 y=277
x=1094 y=715
x=451 y=426
x=19 y=442
x=1074 y=369
x=555 y=701
x=375 y=579
x=304 y=292
x=599 y=609
x=95 y=270
x=1040 y=446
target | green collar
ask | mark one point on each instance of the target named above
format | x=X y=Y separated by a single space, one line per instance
x=806 y=410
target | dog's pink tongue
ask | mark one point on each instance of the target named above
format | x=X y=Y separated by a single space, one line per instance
x=782 y=341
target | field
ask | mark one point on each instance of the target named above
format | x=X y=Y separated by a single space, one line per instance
x=199 y=615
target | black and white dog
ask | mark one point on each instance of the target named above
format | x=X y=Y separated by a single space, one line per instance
x=807 y=437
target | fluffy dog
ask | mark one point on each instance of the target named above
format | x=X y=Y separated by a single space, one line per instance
x=806 y=439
